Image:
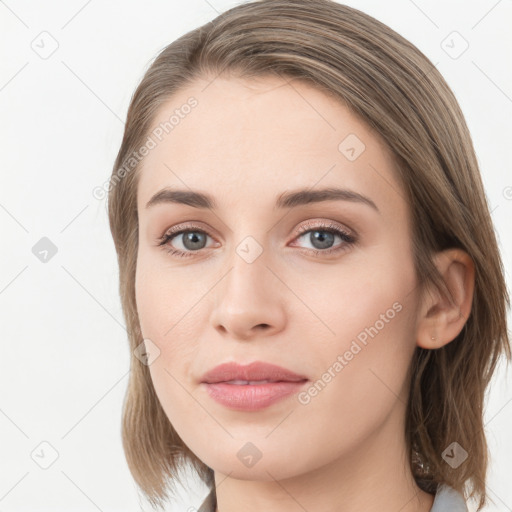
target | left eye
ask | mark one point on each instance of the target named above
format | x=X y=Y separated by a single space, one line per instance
x=322 y=239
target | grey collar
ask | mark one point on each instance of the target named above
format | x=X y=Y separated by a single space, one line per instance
x=448 y=499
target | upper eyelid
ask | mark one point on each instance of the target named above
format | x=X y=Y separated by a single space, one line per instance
x=304 y=228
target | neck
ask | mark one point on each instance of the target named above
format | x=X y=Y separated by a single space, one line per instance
x=375 y=476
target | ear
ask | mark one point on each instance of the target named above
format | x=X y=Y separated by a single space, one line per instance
x=442 y=317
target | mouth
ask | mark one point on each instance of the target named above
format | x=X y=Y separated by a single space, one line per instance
x=242 y=395
x=251 y=387
x=253 y=382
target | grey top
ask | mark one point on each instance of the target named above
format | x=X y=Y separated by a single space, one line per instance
x=446 y=500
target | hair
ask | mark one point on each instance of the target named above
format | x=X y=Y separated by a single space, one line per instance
x=392 y=86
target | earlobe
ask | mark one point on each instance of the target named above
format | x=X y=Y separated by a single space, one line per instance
x=443 y=316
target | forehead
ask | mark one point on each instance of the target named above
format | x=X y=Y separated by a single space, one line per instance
x=260 y=137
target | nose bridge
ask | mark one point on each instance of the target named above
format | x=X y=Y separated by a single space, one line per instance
x=249 y=273
x=249 y=247
x=248 y=296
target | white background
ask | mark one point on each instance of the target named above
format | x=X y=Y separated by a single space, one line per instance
x=64 y=363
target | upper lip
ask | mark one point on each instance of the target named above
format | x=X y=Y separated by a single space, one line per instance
x=257 y=370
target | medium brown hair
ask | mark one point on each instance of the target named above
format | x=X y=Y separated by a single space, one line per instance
x=397 y=91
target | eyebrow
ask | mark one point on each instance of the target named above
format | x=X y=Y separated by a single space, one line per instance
x=285 y=200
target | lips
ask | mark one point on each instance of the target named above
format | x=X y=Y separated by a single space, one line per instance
x=252 y=374
x=252 y=387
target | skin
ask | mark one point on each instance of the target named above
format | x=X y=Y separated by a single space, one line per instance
x=245 y=143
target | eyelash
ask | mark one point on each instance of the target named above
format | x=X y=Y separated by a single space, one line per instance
x=348 y=240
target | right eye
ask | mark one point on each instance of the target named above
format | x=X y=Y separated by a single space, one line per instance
x=192 y=240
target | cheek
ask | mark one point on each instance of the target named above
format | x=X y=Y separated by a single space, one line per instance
x=340 y=302
x=168 y=317
x=165 y=298
x=362 y=357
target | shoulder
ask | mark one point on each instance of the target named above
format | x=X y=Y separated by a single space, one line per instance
x=448 y=499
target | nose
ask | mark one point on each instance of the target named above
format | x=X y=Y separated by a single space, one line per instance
x=248 y=300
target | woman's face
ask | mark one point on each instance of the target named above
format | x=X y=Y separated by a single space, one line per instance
x=324 y=288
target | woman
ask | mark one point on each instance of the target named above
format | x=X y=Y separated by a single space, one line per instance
x=308 y=269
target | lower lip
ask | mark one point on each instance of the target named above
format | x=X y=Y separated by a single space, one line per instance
x=251 y=397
